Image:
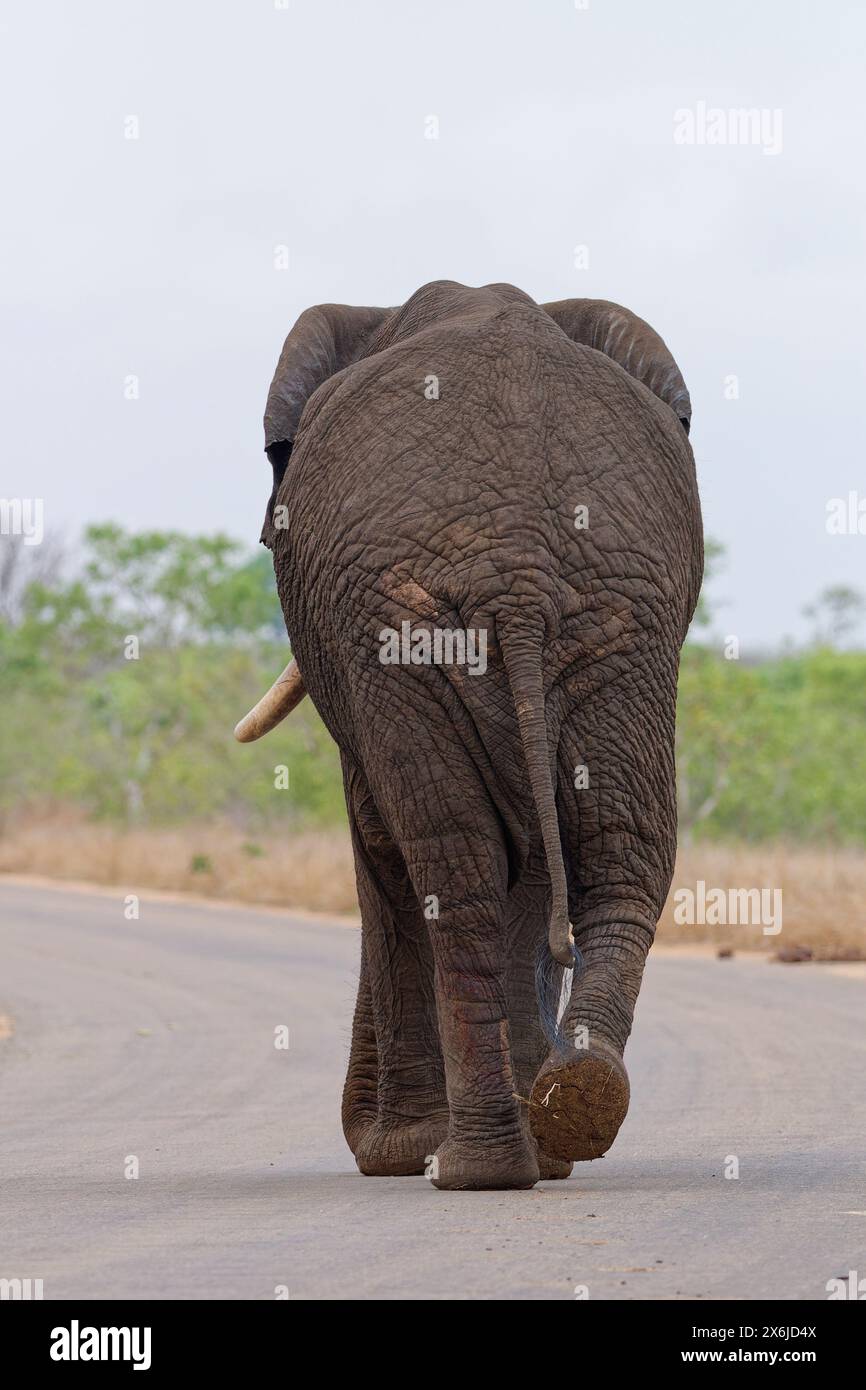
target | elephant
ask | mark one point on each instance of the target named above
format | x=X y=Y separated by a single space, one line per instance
x=518 y=477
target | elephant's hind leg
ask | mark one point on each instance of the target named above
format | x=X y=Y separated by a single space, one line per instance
x=454 y=849
x=360 y=1090
x=395 y=1112
x=619 y=841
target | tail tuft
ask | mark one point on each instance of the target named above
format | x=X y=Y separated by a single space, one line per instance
x=553 y=986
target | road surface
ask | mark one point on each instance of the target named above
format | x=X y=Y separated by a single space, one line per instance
x=152 y=1042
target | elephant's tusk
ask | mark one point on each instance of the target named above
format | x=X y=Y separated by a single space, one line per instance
x=286 y=692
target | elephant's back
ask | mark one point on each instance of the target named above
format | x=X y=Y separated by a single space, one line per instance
x=493 y=457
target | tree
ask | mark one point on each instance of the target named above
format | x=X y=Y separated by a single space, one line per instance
x=21 y=566
x=836 y=613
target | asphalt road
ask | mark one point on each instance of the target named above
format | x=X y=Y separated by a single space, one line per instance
x=154 y=1039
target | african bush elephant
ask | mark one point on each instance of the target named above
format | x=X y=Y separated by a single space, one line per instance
x=476 y=471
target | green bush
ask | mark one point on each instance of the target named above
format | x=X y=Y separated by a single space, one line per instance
x=775 y=750
x=144 y=736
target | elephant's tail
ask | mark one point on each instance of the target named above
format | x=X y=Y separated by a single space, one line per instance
x=522 y=657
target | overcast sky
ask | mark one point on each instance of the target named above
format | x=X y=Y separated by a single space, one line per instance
x=305 y=127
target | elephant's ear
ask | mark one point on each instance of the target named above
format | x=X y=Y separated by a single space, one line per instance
x=324 y=340
x=611 y=329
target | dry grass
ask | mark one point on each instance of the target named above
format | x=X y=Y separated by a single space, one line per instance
x=824 y=892
x=823 y=896
x=312 y=870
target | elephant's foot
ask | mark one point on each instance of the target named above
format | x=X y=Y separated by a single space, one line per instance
x=481 y=1165
x=400 y=1150
x=578 y=1102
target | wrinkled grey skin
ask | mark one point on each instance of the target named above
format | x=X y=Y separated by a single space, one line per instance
x=460 y=513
